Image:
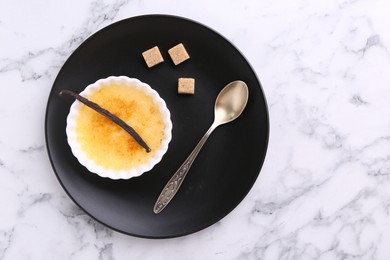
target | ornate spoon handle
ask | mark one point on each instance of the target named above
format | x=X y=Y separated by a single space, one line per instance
x=177 y=179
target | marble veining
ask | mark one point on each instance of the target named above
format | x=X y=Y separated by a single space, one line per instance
x=324 y=190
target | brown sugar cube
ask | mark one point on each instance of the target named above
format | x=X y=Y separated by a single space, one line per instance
x=186 y=86
x=152 y=57
x=178 y=54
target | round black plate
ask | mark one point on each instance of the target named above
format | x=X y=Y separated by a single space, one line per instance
x=229 y=162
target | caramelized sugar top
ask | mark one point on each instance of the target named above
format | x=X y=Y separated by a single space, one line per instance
x=109 y=145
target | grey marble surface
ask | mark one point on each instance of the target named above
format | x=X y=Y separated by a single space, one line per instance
x=324 y=190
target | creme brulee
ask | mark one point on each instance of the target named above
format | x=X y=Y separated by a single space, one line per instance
x=107 y=144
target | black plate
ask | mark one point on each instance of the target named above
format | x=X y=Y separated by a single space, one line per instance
x=228 y=164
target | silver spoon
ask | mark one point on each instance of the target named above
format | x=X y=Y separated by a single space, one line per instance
x=229 y=104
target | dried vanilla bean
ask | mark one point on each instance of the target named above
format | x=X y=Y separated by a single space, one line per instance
x=109 y=115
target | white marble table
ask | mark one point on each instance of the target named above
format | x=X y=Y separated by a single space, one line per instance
x=324 y=190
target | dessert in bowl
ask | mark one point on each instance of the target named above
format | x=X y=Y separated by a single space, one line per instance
x=106 y=149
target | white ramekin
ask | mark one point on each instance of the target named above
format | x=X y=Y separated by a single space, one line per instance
x=91 y=165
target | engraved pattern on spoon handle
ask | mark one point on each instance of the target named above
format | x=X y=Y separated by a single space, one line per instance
x=177 y=179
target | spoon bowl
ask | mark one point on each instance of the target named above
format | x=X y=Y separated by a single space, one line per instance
x=230 y=103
